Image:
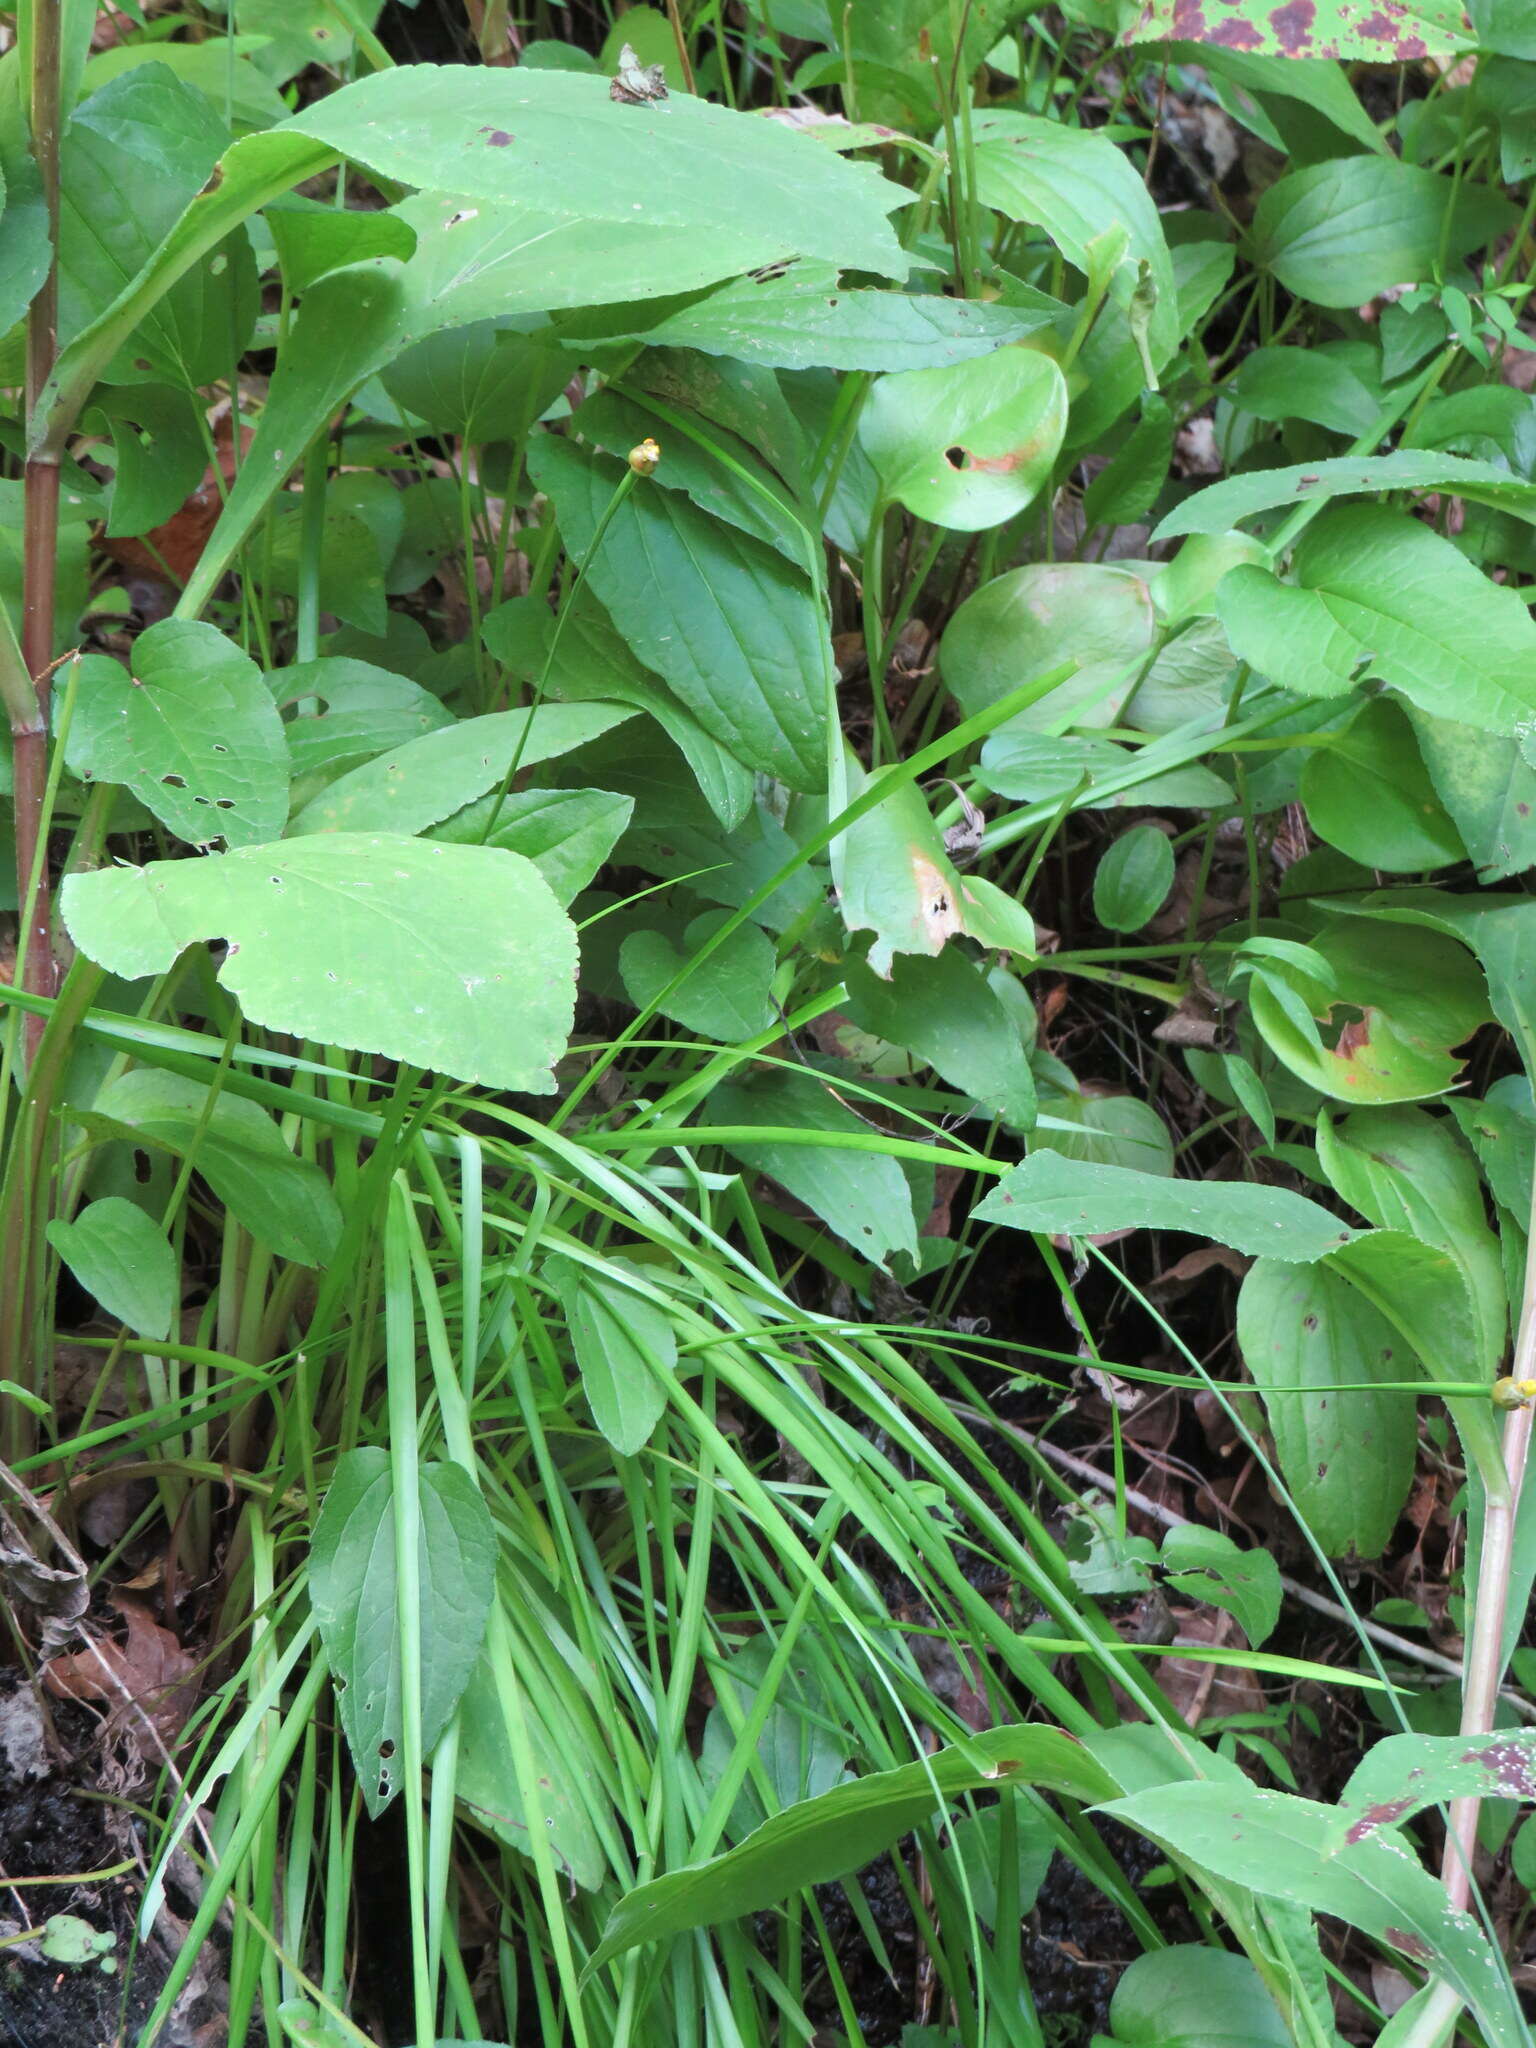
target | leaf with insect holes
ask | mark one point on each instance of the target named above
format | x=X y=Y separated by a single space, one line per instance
x=354 y=1589
x=121 y=1256
x=969 y=445
x=454 y=957
x=193 y=732
x=1205 y=1564
x=825 y=1838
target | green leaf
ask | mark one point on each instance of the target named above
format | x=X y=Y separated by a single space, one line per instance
x=355 y=1593
x=969 y=445
x=1430 y=28
x=313 y=238
x=1111 y=1130
x=489 y=382
x=119 y=1255
x=1193 y=1997
x=943 y=1011
x=862 y=1196
x=1133 y=879
x=362 y=711
x=727 y=998
x=1031 y=767
x=1220 y=506
x=977 y=1843
x=730 y=625
x=193 y=732
x=160 y=452
x=284 y=1202
x=1368 y=793
x=454 y=957
x=1071 y=1197
x=805 y=317
x=420 y=784
x=1302 y=383
x=1078 y=186
x=1031 y=620
x=1347 y=1457
x=1205 y=1564
x=132 y=158
x=724 y=192
x=1128 y=485
x=1379 y=596
x=1401 y=1775
x=625 y=1345
x=1396 y=1007
x=566 y=833
x=826 y=1838
x=1283 y=1847
x=1338 y=233
x=1489 y=788
x=593 y=662
x=222 y=69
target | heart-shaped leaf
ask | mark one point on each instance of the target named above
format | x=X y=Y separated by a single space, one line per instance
x=969 y=445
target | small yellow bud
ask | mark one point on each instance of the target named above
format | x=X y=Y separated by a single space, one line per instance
x=1510 y=1393
x=643 y=460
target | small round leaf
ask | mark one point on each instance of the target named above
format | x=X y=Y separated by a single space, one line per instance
x=1133 y=879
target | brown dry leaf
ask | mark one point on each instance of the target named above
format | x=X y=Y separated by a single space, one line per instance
x=1200 y=1690
x=178 y=545
x=1176 y=1280
x=143 y=1680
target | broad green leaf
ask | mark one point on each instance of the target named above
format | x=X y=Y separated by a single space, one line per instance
x=1338 y=233
x=1030 y=621
x=1078 y=185
x=1407 y=1170
x=862 y=1196
x=1128 y=485
x=1401 y=1775
x=284 y=1202
x=566 y=833
x=1205 y=1564
x=1031 y=767
x=1489 y=788
x=977 y=1845
x=592 y=662
x=297 y=33
x=1267 y=83
x=1396 y=1008
x=943 y=1011
x=625 y=1345
x=361 y=710
x=1378 y=596
x=222 y=69
x=489 y=382
x=1186 y=588
x=730 y=625
x=193 y=732
x=349 y=325
x=1501 y=1129
x=805 y=317
x=355 y=1592
x=454 y=957
x=26 y=249
x=1193 y=1997
x=1133 y=878
x=969 y=445
x=1283 y=1847
x=1112 y=1130
x=313 y=238
x=1347 y=1457
x=132 y=158
x=428 y=779
x=1074 y=1198
x=728 y=998
x=743 y=191
x=1302 y=383
x=487 y=1783
x=1333 y=28
x=160 y=451
x=121 y=1256
x=826 y=1838
x=1220 y=506
x=1368 y=793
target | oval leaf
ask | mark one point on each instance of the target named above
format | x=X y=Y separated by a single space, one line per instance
x=119 y=1254
x=969 y=445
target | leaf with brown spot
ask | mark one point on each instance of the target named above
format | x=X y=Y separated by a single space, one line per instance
x=1388 y=32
